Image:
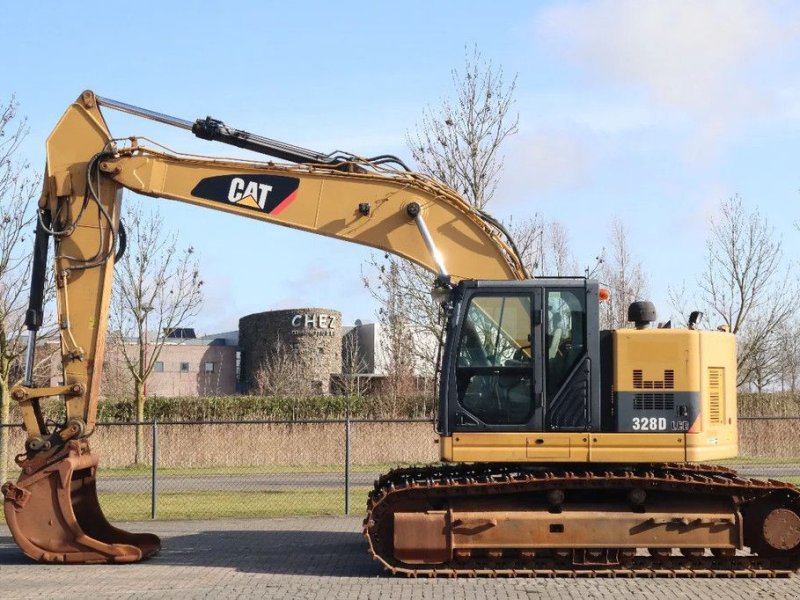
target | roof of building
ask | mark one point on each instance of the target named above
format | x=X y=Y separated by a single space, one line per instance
x=230 y=338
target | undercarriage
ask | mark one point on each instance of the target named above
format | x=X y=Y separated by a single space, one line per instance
x=582 y=521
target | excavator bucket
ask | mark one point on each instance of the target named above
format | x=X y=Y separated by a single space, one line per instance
x=55 y=517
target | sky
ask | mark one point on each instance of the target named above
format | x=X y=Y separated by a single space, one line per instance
x=647 y=111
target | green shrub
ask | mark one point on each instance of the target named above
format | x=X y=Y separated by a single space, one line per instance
x=235 y=408
x=244 y=408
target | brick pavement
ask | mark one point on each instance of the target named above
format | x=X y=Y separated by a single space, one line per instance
x=315 y=558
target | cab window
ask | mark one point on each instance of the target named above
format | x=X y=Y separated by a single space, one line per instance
x=494 y=368
x=565 y=335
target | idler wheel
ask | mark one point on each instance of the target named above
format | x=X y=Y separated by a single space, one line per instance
x=781 y=529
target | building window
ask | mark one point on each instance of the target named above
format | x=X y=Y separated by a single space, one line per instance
x=208 y=367
x=159 y=366
x=184 y=367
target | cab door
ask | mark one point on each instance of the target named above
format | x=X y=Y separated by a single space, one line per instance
x=497 y=385
x=566 y=358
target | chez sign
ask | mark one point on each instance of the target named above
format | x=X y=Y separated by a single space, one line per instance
x=313 y=324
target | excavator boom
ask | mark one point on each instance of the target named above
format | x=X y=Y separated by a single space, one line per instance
x=52 y=509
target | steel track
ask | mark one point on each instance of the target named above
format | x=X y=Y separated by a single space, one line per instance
x=437 y=483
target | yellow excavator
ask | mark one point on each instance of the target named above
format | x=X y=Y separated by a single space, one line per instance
x=565 y=450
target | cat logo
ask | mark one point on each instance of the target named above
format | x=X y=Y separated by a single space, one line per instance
x=248 y=193
x=263 y=193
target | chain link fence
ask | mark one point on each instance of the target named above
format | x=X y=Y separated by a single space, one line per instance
x=282 y=468
x=769 y=448
x=248 y=468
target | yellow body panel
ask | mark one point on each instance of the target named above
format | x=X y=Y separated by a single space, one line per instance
x=654 y=351
x=694 y=366
x=564 y=447
x=700 y=362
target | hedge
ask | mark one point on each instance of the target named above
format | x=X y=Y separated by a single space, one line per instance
x=236 y=408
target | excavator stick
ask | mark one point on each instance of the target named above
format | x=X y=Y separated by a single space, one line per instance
x=55 y=517
x=52 y=510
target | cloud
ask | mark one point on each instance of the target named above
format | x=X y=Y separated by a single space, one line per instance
x=542 y=161
x=716 y=60
x=684 y=53
x=304 y=289
x=604 y=113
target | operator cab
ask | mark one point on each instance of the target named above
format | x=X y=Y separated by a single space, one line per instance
x=522 y=356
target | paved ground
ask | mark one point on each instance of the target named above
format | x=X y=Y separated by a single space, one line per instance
x=764 y=471
x=306 y=558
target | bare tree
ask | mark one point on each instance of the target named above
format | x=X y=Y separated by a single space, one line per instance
x=765 y=357
x=156 y=286
x=789 y=343
x=458 y=143
x=624 y=277
x=354 y=381
x=682 y=301
x=117 y=381
x=282 y=375
x=281 y=372
x=393 y=277
x=789 y=353
x=746 y=287
x=543 y=246
x=17 y=221
x=398 y=349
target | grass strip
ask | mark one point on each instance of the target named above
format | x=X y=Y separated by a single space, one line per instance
x=145 y=470
x=122 y=506
x=250 y=470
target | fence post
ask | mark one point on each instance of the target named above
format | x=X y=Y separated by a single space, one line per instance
x=154 y=468
x=347 y=459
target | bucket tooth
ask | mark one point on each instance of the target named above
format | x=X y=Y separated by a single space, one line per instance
x=55 y=517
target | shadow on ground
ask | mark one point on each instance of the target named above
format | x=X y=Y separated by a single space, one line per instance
x=10 y=554
x=289 y=552
x=285 y=552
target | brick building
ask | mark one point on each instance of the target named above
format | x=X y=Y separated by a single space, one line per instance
x=186 y=366
x=222 y=364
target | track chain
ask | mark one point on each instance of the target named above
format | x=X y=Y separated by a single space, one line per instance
x=443 y=481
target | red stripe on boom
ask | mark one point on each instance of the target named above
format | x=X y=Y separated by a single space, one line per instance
x=289 y=199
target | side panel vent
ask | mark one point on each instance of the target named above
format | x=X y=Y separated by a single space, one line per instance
x=637 y=379
x=640 y=383
x=716 y=394
x=669 y=379
x=654 y=401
